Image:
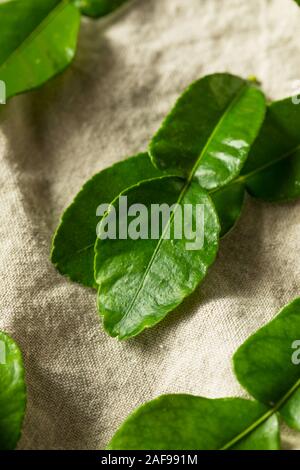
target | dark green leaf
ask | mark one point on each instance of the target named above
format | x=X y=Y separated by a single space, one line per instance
x=12 y=393
x=38 y=40
x=73 y=243
x=267 y=365
x=206 y=139
x=264 y=364
x=183 y=422
x=97 y=8
x=272 y=170
x=208 y=134
x=141 y=280
x=228 y=202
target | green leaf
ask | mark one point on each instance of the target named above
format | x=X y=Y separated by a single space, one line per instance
x=272 y=170
x=264 y=364
x=228 y=202
x=38 y=40
x=208 y=134
x=12 y=393
x=205 y=139
x=97 y=8
x=141 y=280
x=267 y=365
x=185 y=422
x=74 y=240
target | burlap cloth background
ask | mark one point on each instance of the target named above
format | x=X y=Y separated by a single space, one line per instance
x=127 y=74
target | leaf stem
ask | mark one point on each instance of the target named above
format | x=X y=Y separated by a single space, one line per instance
x=263 y=418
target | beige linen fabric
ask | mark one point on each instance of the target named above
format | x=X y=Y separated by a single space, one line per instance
x=127 y=74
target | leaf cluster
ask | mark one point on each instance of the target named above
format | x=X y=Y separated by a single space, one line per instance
x=217 y=143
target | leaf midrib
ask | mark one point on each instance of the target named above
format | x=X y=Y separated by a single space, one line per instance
x=244 y=178
x=269 y=164
x=42 y=25
x=183 y=192
x=263 y=418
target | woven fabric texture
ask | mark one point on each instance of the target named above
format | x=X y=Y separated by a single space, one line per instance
x=127 y=74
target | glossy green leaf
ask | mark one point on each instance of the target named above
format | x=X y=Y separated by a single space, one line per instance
x=12 y=393
x=205 y=139
x=208 y=134
x=38 y=40
x=97 y=8
x=267 y=364
x=141 y=280
x=74 y=240
x=186 y=422
x=272 y=170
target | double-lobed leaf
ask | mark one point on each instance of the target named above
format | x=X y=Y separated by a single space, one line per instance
x=205 y=140
x=264 y=366
x=128 y=297
x=209 y=133
x=98 y=8
x=12 y=393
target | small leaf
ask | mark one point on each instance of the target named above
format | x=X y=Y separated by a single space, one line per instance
x=97 y=8
x=264 y=365
x=74 y=240
x=12 y=393
x=208 y=134
x=186 y=422
x=38 y=40
x=141 y=280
